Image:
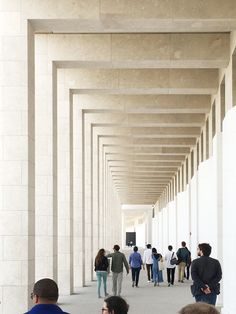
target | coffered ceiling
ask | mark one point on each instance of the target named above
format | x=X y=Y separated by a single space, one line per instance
x=147 y=96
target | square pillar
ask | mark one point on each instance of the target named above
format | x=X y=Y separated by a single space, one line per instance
x=17 y=163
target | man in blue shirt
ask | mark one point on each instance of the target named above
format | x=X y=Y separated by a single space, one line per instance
x=135 y=262
x=45 y=295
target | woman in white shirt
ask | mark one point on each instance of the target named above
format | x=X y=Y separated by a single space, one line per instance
x=170 y=268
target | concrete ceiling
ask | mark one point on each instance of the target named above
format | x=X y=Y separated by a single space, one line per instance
x=149 y=101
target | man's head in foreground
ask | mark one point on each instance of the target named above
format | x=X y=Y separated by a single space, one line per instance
x=45 y=291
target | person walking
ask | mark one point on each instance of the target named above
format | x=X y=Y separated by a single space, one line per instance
x=101 y=266
x=169 y=267
x=206 y=274
x=135 y=262
x=157 y=273
x=148 y=261
x=183 y=257
x=118 y=261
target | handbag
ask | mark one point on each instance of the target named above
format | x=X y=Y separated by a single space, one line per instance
x=173 y=260
x=161 y=264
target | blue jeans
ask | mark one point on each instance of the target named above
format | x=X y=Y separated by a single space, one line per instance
x=207 y=298
x=101 y=275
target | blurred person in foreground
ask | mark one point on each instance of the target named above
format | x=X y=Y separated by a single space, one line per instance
x=45 y=295
x=115 y=305
x=199 y=308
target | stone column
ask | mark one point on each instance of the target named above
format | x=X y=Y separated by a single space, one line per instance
x=88 y=199
x=46 y=162
x=17 y=161
x=101 y=193
x=78 y=200
x=95 y=205
x=65 y=189
x=229 y=200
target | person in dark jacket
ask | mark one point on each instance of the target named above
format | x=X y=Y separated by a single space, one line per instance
x=101 y=267
x=45 y=295
x=206 y=274
x=183 y=258
x=187 y=273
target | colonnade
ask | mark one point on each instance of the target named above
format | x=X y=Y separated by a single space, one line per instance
x=198 y=205
x=58 y=204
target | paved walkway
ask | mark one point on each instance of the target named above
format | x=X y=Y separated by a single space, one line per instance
x=146 y=299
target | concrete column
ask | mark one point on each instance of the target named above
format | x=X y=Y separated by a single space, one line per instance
x=183 y=211
x=105 y=187
x=181 y=179
x=78 y=214
x=17 y=161
x=201 y=148
x=123 y=233
x=65 y=189
x=204 y=144
x=101 y=194
x=210 y=144
x=185 y=165
x=229 y=200
x=233 y=51
x=95 y=206
x=88 y=200
x=194 y=220
x=160 y=228
x=190 y=161
x=207 y=143
x=46 y=163
x=165 y=240
x=171 y=224
x=228 y=86
x=234 y=78
x=207 y=198
x=218 y=151
x=149 y=226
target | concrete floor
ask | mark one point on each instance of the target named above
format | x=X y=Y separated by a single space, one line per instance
x=146 y=300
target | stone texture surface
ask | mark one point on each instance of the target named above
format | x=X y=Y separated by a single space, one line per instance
x=123 y=91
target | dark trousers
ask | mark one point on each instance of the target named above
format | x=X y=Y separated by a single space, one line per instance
x=207 y=298
x=149 y=272
x=135 y=275
x=186 y=274
x=171 y=275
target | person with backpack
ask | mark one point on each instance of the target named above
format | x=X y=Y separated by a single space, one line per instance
x=183 y=255
x=171 y=259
